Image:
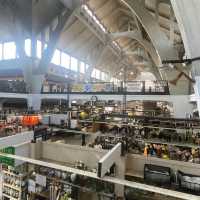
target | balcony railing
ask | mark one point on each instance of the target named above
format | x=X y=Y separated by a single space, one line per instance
x=17 y=86
x=148 y=87
x=134 y=87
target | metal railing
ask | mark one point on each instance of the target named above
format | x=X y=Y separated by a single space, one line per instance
x=13 y=86
x=147 y=87
x=134 y=87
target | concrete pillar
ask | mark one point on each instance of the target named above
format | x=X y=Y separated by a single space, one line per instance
x=187 y=15
x=34 y=83
x=34 y=102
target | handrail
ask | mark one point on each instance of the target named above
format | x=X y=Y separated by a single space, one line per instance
x=131 y=87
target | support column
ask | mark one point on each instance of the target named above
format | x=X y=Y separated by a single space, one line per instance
x=34 y=102
x=187 y=15
x=35 y=83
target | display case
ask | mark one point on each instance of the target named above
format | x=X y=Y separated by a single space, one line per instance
x=14 y=185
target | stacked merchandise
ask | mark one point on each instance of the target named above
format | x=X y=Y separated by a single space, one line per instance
x=14 y=184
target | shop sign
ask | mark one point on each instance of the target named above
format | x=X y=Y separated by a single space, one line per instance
x=134 y=87
x=77 y=88
x=5 y=160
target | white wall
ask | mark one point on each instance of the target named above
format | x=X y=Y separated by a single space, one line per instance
x=135 y=165
x=22 y=150
x=182 y=106
x=70 y=153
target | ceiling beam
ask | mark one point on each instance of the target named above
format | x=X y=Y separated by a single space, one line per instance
x=101 y=35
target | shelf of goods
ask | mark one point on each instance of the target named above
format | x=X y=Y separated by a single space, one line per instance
x=14 y=185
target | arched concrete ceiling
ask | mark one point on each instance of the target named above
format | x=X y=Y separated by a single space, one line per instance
x=78 y=39
x=135 y=35
x=160 y=41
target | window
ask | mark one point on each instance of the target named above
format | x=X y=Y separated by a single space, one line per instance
x=97 y=74
x=86 y=67
x=9 y=50
x=45 y=46
x=1 y=51
x=74 y=64
x=28 y=47
x=103 y=76
x=106 y=77
x=39 y=49
x=65 y=60
x=82 y=67
x=93 y=75
x=56 y=57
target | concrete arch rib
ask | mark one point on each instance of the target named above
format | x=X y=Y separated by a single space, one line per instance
x=187 y=14
x=147 y=46
x=135 y=35
x=162 y=44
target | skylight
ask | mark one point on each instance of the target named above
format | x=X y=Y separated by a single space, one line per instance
x=92 y=15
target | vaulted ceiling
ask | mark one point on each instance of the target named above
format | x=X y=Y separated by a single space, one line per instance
x=79 y=40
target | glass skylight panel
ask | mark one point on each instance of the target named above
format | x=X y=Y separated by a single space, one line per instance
x=91 y=14
x=28 y=47
x=65 y=60
x=56 y=57
x=9 y=50
x=74 y=64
